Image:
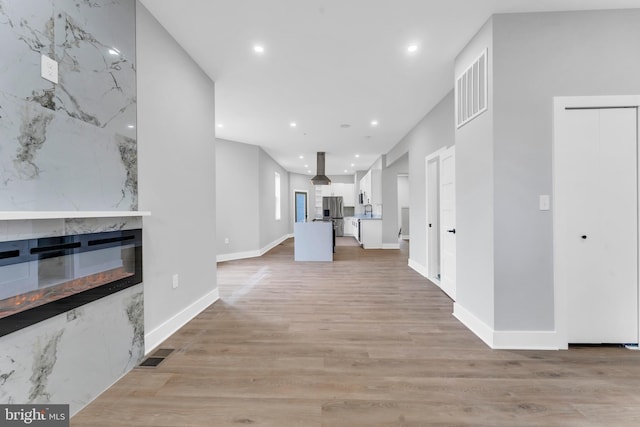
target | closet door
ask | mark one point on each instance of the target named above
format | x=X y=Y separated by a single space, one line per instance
x=596 y=186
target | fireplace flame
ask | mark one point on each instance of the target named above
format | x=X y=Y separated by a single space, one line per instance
x=43 y=296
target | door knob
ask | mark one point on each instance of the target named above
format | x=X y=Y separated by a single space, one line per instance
x=584 y=237
x=452 y=231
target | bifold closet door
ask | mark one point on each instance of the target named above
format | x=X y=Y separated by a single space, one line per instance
x=597 y=193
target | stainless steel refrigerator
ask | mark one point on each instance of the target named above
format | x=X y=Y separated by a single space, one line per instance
x=332 y=209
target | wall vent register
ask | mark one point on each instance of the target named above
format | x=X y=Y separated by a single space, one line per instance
x=471 y=91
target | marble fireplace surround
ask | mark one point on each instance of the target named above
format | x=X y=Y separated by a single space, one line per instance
x=47 y=276
x=76 y=355
x=69 y=166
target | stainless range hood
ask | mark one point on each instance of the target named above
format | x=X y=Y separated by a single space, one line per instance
x=320 y=178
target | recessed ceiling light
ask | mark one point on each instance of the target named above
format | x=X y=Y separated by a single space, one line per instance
x=301 y=156
x=353 y=164
x=258 y=48
x=306 y=166
x=131 y=126
x=374 y=123
x=309 y=171
x=220 y=125
x=357 y=155
x=293 y=124
x=412 y=48
x=346 y=171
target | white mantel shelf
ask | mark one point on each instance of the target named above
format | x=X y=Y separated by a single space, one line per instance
x=17 y=215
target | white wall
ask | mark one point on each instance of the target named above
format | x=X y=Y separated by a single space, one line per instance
x=272 y=231
x=505 y=283
x=176 y=162
x=536 y=57
x=404 y=199
x=247 y=172
x=341 y=179
x=237 y=197
x=390 y=208
x=299 y=182
x=474 y=195
x=434 y=131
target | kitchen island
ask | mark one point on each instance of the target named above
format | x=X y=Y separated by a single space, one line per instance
x=313 y=241
x=369 y=230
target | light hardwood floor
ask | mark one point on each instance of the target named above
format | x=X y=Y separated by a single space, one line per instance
x=362 y=341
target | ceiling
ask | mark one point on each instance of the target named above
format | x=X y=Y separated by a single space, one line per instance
x=332 y=67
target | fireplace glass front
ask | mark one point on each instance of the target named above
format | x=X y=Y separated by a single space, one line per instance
x=41 y=278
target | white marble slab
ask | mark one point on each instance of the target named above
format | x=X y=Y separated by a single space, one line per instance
x=19 y=215
x=70 y=146
x=73 y=357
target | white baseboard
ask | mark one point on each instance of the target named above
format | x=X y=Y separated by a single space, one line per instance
x=526 y=340
x=275 y=243
x=477 y=326
x=404 y=236
x=506 y=340
x=170 y=326
x=252 y=254
x=237 y=255
x=421 y=269
x=391 y=246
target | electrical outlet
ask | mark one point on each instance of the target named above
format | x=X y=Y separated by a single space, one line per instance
x=176 y=281
x=49 y=69
x=226 y=240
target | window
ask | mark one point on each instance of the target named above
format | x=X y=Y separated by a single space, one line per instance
x=277 y=181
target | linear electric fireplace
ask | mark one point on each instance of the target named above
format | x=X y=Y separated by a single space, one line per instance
x=41 y=278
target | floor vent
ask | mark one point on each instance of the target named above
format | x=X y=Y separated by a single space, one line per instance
x=156 y=358
x=471 y=91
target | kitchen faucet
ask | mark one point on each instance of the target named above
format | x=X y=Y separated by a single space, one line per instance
x=370 y=208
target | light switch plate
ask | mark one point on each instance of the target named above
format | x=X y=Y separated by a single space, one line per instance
x=545 y=202
x=49 y=69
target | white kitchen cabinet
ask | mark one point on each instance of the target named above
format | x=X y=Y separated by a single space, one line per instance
x=371 y=187
x=365 y=188
x=348 y=226
x=346 y=191
x=371 y=233
x=355 y=222
x=348 y=194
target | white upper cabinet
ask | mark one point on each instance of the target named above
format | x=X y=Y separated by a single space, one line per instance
x=371 y=187
x=340 y=189
x=348 y=194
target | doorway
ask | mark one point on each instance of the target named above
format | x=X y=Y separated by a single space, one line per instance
x=433 y=219
x=595 y=170
x=441 y=219
x=404 y=201
x=301 y=210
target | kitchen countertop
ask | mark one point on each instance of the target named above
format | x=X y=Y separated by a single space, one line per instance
x=367 y=217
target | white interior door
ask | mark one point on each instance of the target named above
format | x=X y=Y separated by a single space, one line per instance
x=596 y=185
x=433 y=219
x=448 y=222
